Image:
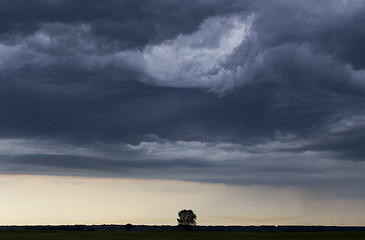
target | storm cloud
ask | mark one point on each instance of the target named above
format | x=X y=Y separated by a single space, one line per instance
x=242 y=92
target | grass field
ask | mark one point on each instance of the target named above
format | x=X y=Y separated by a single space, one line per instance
x=161 y=235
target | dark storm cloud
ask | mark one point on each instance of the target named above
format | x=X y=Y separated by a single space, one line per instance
x=118 y=24
x=268 y=92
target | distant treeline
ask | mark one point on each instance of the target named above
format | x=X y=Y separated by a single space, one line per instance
x=263 y=228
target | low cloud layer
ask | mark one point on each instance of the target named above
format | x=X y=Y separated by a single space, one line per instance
x=243 y=92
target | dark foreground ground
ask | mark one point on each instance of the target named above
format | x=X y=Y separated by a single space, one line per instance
x=161 y=235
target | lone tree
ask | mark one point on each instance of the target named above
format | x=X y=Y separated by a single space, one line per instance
x=128 y=226
x=187 y=219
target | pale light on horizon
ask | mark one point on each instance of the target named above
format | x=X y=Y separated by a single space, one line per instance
x=52 y=200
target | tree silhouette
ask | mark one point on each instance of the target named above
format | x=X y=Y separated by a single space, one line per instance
x=128 y=226
x=187 y=219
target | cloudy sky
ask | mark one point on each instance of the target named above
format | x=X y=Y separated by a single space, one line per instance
x=248 y=112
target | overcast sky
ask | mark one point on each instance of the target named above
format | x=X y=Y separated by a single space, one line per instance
x=247 y=93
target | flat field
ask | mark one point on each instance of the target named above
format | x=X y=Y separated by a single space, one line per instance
x=175 y=235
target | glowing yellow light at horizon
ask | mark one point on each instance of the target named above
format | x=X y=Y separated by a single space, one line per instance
x=27 y=199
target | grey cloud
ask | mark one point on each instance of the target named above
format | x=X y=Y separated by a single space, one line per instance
x=228 y=163
x=347 y=145
x=263 y=31
x=241 y=92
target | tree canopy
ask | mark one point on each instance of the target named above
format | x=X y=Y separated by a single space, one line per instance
x=187 y=219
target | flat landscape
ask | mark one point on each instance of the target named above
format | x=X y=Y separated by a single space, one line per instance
x=161 y=235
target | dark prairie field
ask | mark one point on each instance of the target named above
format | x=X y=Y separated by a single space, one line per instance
x=161 y=235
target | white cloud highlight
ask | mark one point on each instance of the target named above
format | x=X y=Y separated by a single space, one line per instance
x=197 y=60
